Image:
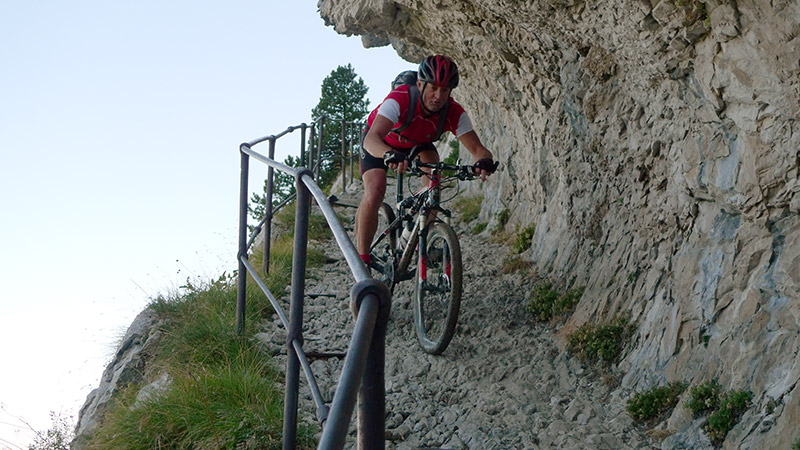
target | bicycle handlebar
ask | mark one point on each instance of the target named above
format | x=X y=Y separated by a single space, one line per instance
x=465 y=172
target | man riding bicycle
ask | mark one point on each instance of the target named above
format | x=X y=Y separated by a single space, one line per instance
x=388 y=140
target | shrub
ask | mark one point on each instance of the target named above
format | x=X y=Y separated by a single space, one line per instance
x=725 y=409
x=704 y=398
x=502 y=220
x=601 y=343
x=731 y=408
x=523 y=240
x=652 y=405
x=541 y=302
x=545 y=303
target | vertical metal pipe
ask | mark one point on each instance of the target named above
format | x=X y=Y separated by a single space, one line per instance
x=303 y=145
x=312 y=141
x=296 y=313
x=319 y=148
x=344 y=157
x=242 y=281
x=268 y=211
x=372 y=395
x=335 y=430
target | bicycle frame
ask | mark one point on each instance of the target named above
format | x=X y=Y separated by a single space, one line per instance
x=417 y=207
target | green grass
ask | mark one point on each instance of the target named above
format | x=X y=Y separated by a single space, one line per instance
x=479 y=227
x=469 y=207
x=223 y=394
x=545 y=303
x=652 y=405
x=796 y=445
x=601 y=343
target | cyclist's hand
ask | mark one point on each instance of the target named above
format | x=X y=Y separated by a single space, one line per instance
x=396 y=160
x=485 y=167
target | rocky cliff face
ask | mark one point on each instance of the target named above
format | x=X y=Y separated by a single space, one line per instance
x=655 y=147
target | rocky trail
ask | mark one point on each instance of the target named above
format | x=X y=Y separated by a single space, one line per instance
x=503 y=383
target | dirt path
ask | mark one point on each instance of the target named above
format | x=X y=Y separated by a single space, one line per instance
x=501 y=384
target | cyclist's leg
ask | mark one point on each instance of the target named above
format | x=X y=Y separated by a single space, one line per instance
x=373 y=177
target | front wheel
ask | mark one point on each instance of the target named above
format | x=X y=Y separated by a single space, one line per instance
x=437 y=299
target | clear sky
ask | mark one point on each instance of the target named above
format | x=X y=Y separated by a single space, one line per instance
x=119 y=167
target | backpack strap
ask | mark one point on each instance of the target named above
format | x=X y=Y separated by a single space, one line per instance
x=413 y=99
x=443 y=113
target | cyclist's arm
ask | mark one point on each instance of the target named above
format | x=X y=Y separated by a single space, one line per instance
x=472 y=142
x=374 y=144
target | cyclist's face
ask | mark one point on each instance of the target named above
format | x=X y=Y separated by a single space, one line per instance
x=434 y=96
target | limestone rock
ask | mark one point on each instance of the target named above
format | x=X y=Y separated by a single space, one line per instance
x=655 y=148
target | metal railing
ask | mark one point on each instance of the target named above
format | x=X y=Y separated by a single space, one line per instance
x=313 y=159
x=362 y=375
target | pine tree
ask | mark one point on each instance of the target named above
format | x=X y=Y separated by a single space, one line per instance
x=343 y=96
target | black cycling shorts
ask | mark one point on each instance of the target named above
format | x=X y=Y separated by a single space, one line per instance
x=368 y=161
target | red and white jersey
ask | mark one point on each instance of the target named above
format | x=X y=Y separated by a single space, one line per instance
x=422 y=129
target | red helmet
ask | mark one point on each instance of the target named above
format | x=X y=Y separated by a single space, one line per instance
x=438 y=69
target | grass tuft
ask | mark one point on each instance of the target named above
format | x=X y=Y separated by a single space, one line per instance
x=469 y=207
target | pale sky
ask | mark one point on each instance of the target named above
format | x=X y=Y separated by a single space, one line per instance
x=119 y=168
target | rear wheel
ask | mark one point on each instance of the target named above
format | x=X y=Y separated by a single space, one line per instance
x=437 y=298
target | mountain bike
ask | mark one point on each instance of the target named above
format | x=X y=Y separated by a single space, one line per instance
x=413 y=242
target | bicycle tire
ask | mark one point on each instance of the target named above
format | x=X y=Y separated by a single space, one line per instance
x=437 y=298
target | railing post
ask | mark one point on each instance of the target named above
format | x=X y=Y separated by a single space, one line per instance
x=242 y=274
x=372 y=394
x=319 y=148
x=268 y=212
x=303 y=204
x=309 y=162
x=303 y=145
x=344 y=157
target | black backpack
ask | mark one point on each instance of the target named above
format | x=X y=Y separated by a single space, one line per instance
x=409 y=77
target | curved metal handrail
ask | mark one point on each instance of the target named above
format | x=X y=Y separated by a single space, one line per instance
x=369 y=300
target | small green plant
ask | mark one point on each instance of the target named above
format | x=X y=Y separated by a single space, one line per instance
x=469 y=207
x=652 y=405
x=541 y=301
x=502 y=220
x=704 y=398
x=523 y=240
x=545 y=303
x=796 y=445
x=731 y=408
x=566 y=302
x=724 y=408
x=478 y=228
x=601 y=343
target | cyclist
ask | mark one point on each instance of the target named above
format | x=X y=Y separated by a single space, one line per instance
x=387 y=140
